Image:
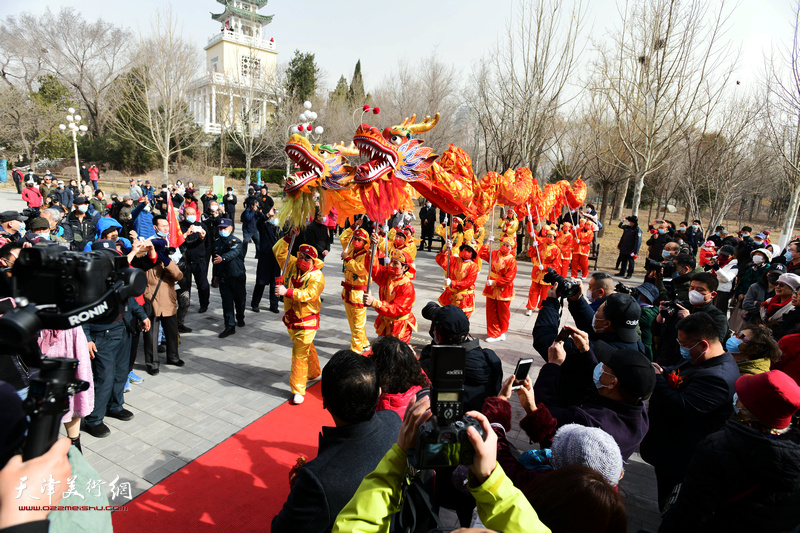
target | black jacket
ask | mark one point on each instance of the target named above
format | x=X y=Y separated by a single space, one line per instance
x=427 y=214
x=194 y=247
x=316 y=235
x=631 y=239
x=230 y=205
x=681 y=417
x=667 y=352
x=483 y=373
x=82 y=231
x=268 y=268
x=231 y=250
x=324 y=485
x=656 y=244
x=739 y=480
x=626 y=423
x=694 y=238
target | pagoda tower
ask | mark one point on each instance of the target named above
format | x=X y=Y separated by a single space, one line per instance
x=241 y=63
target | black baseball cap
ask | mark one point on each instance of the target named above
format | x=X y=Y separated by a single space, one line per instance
x=80 y=200
x=8 y=216
x=624 y=313
x=449 y=319
x=104 y=245
x=777 y=268
x=633 y=371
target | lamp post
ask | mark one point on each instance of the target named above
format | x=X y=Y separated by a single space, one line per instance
x=76 y=128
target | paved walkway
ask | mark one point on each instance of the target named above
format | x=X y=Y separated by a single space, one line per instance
x=227 y=384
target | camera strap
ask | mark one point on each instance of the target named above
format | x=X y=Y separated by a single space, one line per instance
x=150 y=301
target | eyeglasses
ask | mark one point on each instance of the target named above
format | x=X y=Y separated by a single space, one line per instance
x=741 y=337
x=780 y=284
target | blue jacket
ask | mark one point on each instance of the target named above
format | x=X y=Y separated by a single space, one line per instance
x=143 y=222
x=104 y=224
x=248 y=219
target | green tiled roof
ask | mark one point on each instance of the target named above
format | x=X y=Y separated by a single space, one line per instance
x=259 y=3
x=243 y=13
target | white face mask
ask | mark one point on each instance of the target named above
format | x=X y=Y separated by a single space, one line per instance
x=757 y=259
x=696 y=298
x=214 y=208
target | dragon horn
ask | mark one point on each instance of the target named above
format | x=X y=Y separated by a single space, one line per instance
x=425 y=125
x=408 y=123
x=346 y=150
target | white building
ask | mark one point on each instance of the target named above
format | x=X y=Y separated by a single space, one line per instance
x=241 y=62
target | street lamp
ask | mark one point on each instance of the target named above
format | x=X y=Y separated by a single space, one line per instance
x=76 y=128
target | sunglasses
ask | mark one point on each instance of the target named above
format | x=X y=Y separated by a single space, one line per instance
x=741 y=337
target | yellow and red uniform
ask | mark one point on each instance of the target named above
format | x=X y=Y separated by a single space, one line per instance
x=565 y=241
x=408 y=244
x=462 y=275
x=550 y=257
x=580 y=249
x=501 y=292
x=397 y=297
x=457 y=232
x=356 y=271
x=301 y=306
x=510 y=225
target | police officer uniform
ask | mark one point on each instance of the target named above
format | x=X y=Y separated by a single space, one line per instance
x=230 y=274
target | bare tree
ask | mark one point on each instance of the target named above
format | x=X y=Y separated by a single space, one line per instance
x=782 y=112
x=518 y=89
x=667 y=60
x=26 y=121
x=153 y=110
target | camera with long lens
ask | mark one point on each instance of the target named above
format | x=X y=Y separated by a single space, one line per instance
x=668 y=309
x=53 y=288
x=566 y=288
x=443 y=440
x=667 y=268
x=624 y=289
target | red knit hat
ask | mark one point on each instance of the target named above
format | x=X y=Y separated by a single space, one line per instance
x=772 y=397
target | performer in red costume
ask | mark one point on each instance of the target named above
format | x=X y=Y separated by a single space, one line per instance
x=564 y=241
x=580 y=249
x=548 y=256
x=499 y=290
x=396 y=293
x=460 y=281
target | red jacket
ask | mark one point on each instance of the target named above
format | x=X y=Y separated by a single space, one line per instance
x=32 y=196
x=504 y=269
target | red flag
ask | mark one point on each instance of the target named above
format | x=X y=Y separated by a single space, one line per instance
x=175 y=233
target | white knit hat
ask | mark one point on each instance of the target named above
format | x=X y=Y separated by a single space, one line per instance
x=574 y=444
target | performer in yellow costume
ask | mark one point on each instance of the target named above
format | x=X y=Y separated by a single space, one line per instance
x=510 y=225
x=356 y=270
x=301 y=306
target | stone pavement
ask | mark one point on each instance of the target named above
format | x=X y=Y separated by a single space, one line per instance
x=227 y=384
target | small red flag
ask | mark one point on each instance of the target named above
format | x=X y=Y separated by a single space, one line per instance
x=175 y=233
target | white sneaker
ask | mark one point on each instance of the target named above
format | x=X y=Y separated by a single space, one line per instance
x=502 y=337
x=297 y=399
x=493 y=339
x=529 y=312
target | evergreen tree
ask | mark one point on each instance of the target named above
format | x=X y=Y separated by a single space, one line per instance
x=302 y=76
x=356 y=93
x=341 y=92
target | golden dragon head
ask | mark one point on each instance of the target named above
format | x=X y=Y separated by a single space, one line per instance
x=320 y=165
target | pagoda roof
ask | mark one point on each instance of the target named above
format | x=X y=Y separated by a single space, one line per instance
x=243 y=13
x=259 y=3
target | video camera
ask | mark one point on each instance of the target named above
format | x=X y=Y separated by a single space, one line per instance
x=566 y=288
x=667 y=267
x=624 y=289
x=54 y=288
x=442 y=440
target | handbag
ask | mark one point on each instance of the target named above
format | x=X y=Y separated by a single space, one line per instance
x=417 y=512
x=148 y=304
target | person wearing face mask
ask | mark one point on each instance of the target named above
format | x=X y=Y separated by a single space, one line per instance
x=268 y=268
x=544 y=254
x=622 y=380
x=773 y=310
x=685 y=268
x=565 y=241
x=229 y=202
x=356 y=258
x=758 y=265
x=510 y=224
x=427 y=217
x=83 y=226
x=37 y=231
x=694 y=235
x=629 y=244
x=230 y=274
x=32 y=196
x=109 y=229
x=580 y=249
x=659 y=237
x=702 y=290
x=401 y=238
x=688 y=403
x=460 y=279
x=725 y=267
x=396 y=296
x=12 y=226
x=211 y=218
x=499 y=289
x=142 y=218
x=250 y=216
x=195 y=250
x=64 y=194
x=315 y=234
x=600 y=286
x=301 y=303
x=754 y=350
x=759 y=292
x=792 y=257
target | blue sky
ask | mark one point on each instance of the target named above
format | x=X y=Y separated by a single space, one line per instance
x=380 y=33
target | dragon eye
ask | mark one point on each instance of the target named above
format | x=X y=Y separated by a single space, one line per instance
x=396 y=139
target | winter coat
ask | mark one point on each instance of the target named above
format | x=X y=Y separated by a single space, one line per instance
x=682 y=416
x=726 y=275
x=739 y=480
x=194 y=247
x=656 y=244
x=166 y=300
x=427 y=219
x=631 y=239
x=65 y=197
x=230 y=249
x=756 y=295
x=32 y=196
x=268 y=267
x=142 y=222
x=754 y=366
x=82 y=230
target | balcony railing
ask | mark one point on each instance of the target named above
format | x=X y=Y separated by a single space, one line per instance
x=240 y=38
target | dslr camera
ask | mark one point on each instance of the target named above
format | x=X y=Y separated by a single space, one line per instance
x=624 y=289
x=667 y=268
x=668 y=309
x=442 y=440
x=566 y=288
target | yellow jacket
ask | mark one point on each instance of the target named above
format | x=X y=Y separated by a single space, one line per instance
x=301 y=304
x=356 y=270
x=410 y=246
x=501 y=506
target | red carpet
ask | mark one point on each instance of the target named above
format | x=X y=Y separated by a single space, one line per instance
x=239 y=485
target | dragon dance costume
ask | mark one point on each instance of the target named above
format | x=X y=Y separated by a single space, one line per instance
x=500 y=291
x=356 y=271
x=463 y=273
x=548 y=256
x=580 y=249
x=301 y=311
x=396 y=293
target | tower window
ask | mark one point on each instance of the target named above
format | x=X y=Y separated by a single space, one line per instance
x=251 y=66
